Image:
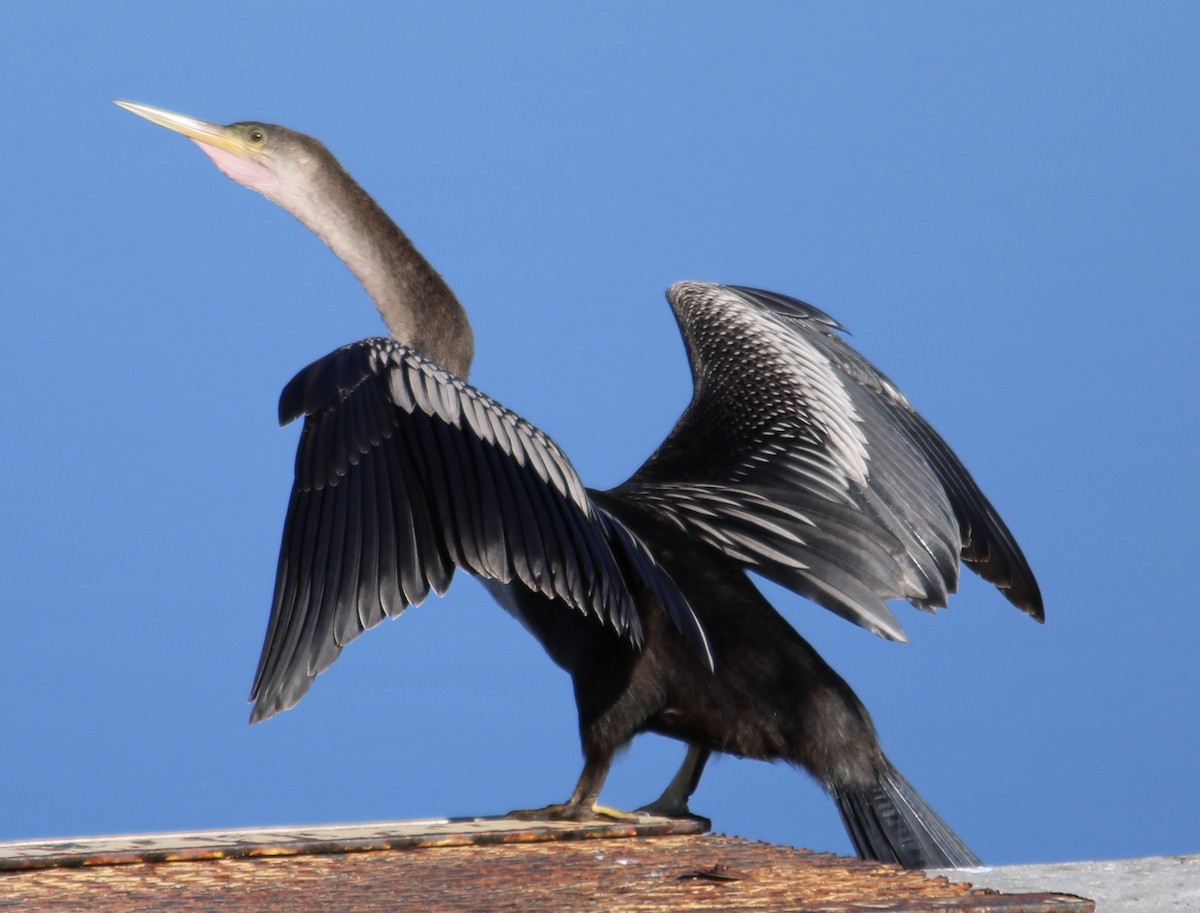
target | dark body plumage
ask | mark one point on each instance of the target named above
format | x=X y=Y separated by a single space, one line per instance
x=796 y=459
x=769 y=696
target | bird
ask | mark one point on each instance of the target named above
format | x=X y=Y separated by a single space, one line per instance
x=796 y=459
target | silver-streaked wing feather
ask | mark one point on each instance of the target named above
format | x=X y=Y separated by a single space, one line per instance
x=800 y=459
x=405 y=472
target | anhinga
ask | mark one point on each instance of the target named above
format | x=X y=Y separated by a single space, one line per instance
x=796 y=459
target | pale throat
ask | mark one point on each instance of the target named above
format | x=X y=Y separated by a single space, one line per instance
x=246 y=172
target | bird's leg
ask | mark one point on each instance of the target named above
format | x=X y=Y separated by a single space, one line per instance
x=673 y=803
x=582 y=804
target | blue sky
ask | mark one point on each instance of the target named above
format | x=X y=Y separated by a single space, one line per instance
x=1001 y=201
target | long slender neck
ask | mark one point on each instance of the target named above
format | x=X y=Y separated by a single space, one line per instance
x=414 y=301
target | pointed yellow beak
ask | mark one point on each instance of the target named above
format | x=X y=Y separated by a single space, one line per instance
x=226 y=139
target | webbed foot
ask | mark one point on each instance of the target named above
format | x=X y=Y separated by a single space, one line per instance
x=667 y=806
x=673 y=803
x=569 y=811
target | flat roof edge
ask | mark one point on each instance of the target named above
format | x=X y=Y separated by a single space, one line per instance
x=125 y=849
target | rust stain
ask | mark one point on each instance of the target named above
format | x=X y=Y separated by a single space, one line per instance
x=635 y=873
x=325 y=839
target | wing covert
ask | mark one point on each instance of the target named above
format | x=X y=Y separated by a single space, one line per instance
x=800 y=459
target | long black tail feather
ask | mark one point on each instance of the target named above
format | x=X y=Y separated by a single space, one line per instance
x=890 y=822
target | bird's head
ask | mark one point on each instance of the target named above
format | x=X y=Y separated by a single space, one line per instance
x=272 y=160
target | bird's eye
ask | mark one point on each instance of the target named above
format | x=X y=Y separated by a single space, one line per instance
x=256 y=136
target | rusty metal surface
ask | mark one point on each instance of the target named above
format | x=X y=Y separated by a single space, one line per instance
x=318 y=839
x=640 y=873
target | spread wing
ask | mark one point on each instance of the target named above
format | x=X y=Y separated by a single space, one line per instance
x=800 y=459
x=405 y=472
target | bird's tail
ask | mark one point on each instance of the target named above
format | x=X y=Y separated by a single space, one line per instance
x=890 y=822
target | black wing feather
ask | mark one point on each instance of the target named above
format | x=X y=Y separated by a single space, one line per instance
x=405 y=472
x=800 y=459
x=985 y=542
